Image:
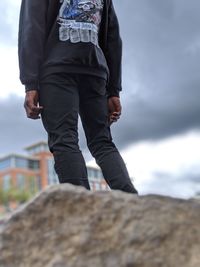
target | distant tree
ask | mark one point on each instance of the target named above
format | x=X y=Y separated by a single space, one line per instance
x=15 y=194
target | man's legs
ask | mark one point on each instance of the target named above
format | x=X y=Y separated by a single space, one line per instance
x=94 y=117
x=60 y=98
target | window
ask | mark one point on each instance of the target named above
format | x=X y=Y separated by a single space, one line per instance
x=52 y=177
x=97 y=186
x=38 y=182
x=20 y=181
x=6 y=182
x=95 y=172
x=89 y=172
x=21 y=163
x=99 y=174
x=5 y=163
x=32 y=183
x=33 y=164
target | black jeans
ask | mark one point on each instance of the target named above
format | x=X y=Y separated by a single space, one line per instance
x=63 y=97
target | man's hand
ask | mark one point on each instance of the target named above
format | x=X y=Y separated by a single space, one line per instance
x=115 y=108
x=31 y=105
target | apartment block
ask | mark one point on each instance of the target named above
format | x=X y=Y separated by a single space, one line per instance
x=35 y=170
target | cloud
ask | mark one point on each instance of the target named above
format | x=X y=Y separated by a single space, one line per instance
x=17 y=131
x=9 y=18
x=160 y=69
x=161 y=81
x=160 y=97
x=160 y=116
x=169 y=166
x=184 y=185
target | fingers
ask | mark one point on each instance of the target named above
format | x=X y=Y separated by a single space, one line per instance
x=114 y=105
x=31 y=105
x=32 y=111
x=114 y=117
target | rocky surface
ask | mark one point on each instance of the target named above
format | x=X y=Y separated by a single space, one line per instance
x=68 y=226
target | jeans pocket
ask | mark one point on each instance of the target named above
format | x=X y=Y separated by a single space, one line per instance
x=94 y=86
x=100 y=86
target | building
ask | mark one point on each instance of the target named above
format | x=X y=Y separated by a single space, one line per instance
x=36 y=170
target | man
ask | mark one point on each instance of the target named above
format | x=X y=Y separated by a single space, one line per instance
x=70 y=63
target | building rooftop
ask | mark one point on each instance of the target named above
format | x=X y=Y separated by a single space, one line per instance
x=35 y=145
x=36 y=148
x=17 y=156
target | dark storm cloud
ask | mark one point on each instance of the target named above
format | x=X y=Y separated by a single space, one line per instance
x=17 y=131
x=161 y=62
x=159 y=116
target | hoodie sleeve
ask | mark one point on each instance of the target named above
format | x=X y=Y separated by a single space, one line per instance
x=31 y=41
x=114 y=53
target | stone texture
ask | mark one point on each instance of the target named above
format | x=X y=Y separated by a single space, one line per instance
x=68 y=226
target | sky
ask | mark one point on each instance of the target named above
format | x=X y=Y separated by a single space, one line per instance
x=158 y=133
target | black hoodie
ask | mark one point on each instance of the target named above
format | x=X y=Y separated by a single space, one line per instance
x=73 y=36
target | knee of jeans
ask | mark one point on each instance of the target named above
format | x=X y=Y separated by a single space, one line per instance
x=101 y=149
x=60 y=144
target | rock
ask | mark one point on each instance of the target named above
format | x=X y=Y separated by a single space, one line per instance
x=69 y=226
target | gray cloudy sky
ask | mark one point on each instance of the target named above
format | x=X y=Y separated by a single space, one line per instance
x=161 y=67
x=161 y=81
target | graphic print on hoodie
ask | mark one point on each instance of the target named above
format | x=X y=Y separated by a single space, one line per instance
x=79 y=20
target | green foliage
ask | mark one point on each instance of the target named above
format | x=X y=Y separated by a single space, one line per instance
x=17 y=194
x=32 y=185
x=3 y=197
x=14 y=194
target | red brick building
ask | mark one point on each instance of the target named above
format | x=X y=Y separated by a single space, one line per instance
x=35 y=170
